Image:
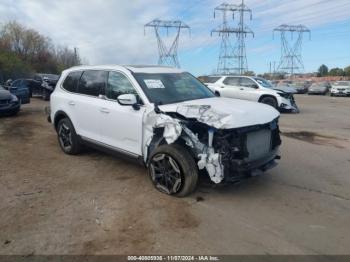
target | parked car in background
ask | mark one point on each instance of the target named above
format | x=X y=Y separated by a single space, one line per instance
x=300 y=87
x=47 y=85
x=21 y=89
x=285 y=87
x=254 y=89
x=340 y=88
x=168 y=120
x=9 y=103
x=321 y=88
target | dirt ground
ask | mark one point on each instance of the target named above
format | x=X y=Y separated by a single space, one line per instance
x=94 y=203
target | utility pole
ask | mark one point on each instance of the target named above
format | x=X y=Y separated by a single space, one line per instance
x=232 y=59
x=75 y=56
x=167 y=55
x=291 y=58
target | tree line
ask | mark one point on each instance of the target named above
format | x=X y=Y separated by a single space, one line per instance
x=24 y=52
x=324 y=71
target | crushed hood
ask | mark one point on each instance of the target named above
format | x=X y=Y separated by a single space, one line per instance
x=224 y=113
x=286 y=89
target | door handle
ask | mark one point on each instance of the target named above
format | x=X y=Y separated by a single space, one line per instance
x=222 y=86
x=241 y=89
x=104 y=110
x=71 y=103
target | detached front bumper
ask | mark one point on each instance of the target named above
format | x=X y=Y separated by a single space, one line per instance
x=288 y=105
x=247 y=169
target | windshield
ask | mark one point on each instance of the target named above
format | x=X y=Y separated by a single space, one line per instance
x=263 y=82
x=167 y=88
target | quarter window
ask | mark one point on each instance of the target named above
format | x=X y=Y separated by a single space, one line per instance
x=92 y=82
x=71 y=81
x=231 y=81
x=117 y=85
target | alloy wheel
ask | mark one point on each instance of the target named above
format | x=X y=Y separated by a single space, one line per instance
x=65 y=137
x=166 y=174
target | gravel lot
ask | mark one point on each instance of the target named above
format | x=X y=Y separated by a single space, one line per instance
x=94 y=203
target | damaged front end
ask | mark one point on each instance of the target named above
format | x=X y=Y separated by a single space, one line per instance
x=227 y=154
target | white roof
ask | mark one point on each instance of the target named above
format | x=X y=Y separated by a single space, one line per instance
x=153 y=69
x=134 y=68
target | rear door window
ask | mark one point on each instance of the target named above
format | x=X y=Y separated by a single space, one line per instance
x=231 y=81
x=71 y=81
x=92 y=82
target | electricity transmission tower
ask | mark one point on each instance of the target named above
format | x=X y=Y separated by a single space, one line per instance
x=167 y=55
x=226 y=64
x=243 y=30
x=232 y=59
x=291 y=59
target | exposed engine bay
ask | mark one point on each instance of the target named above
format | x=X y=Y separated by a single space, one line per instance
x=225 y=153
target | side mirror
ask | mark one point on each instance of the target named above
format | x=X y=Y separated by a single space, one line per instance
x=127 y=99
x=254 y=86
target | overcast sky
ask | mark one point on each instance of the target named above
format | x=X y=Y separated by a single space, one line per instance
x=111 y=31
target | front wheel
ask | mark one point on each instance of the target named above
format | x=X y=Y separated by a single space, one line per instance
x=173 y=170
x=269 y=101
x=67 y=137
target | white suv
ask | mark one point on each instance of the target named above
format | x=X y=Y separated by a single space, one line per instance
x=254 y=89
x=168 y=120
x=340 y=88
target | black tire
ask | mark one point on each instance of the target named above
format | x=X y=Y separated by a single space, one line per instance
x=45 y=95
x=269 y=100
x=177 y=171
x=67 y=137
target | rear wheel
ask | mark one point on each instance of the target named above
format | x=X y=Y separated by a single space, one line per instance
x=268 y=100
x=67 y=137
x=173 y=170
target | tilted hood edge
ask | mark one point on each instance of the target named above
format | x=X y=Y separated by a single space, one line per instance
x=224 y=113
